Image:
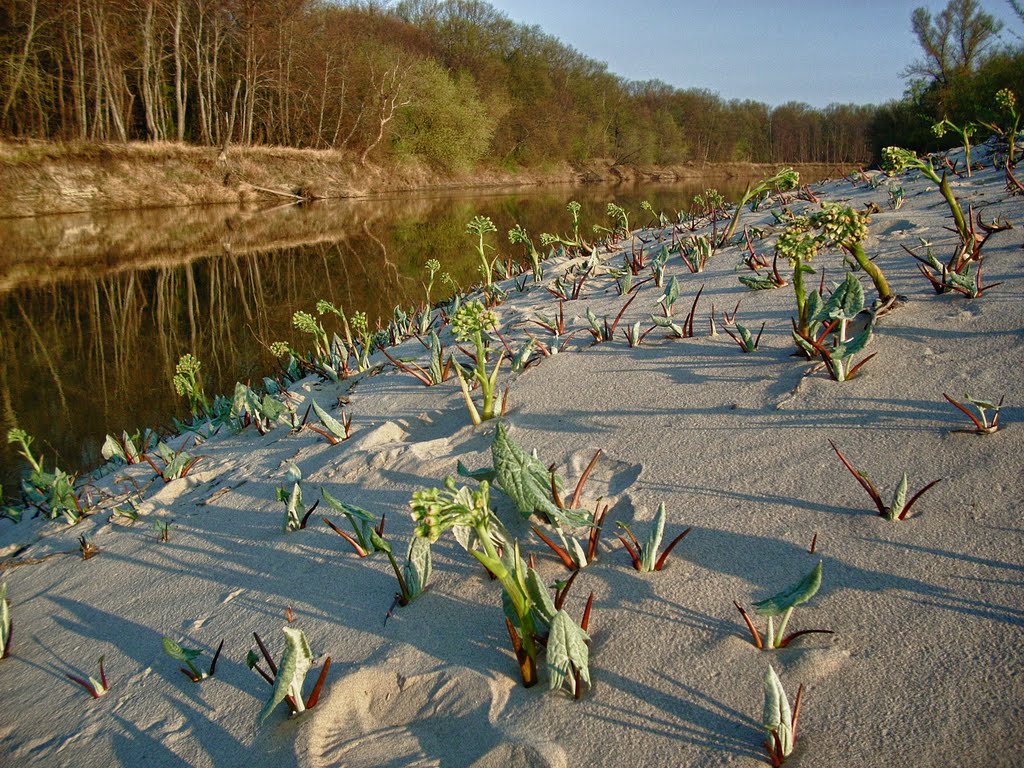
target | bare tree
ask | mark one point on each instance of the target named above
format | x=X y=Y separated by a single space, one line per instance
x=387 y=93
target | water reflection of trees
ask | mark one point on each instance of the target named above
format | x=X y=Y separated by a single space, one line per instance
x=93 y=322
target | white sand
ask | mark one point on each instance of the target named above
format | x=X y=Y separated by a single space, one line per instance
x=925 y=665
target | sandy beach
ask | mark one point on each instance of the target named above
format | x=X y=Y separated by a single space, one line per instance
x=923 y=668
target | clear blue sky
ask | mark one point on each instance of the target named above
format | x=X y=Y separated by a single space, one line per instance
x=813 y=51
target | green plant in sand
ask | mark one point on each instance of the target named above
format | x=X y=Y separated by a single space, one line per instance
x=645 y=556
x=778 y=719
x=366 y=531
x=187 y=656
x=432 y=266
x=981 y=422
x=472 y=323
x=187 y=384
x=96 y=688
x=52 y=493
x=900 y=506
x=333 y=430
x=288 y=677
x=296 y=515
x=897 y=160
x=518 y=235
x=829 y=330
x=481 y=226
x=534 y=625
x=963 y=132
x=782 y=605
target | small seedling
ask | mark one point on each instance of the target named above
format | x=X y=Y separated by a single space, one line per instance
x=603 y=330
x=177 y=464
x=437 y=370
x=163 y=530
x=678 y=331
x=570 y=552
x=335 y=431
x=87 y=548
x=645 y=556
x=696 y=252
x=127 y=448
x=187 y=656
x=982 y=425
x=287 y=680
x=413 y=578
x=900 y=506
x=743 y=337
x=519 y=235
x=783 y=604
x=962 y=273
x=778 y=720
x=481 y=226
x=5 y=623
x=96 y=688
x=296 y=515
x=364 y=525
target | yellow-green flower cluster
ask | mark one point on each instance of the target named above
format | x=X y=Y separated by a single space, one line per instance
x=1007 y=100
x=798 y=241
x=185 y=373
x=480 y=225
x=472 y=318
x=359 y=323
x=280 y=348
x=306 y=323
x=433 y=265
x=841 y=224
x=435 y=510
x=897 y=159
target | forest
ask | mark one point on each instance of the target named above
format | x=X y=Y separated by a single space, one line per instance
x=454 y=84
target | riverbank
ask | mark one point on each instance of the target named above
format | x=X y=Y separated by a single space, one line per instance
x=38 y=178
x=924 y=662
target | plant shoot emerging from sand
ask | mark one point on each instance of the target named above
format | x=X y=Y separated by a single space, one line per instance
x=367 y=531
x=295 y=515
x=778 y=719
x=187 y=656
x=52 y=493
x=96 y=688
x=834 y=317
x=288 y=678
x=982 y=424
x=471 y=323
x=645 y=556
x=900 y=507
x=783 y=604
x=518 y=235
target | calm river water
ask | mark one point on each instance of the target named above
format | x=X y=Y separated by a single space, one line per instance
x=96 y=309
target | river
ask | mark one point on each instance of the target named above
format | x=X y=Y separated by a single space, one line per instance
x=96 y=309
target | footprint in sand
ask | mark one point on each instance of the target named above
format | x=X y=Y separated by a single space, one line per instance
x=376 y=717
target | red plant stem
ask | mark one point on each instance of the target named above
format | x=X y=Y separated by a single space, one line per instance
x=266 y=655
x=864 y=482
x=585 y=621
x=575 y=503
x=567 y=561
x=314 y=696
x=213 y=664
x=664 y=555
x=750 y=625
x=355 y=544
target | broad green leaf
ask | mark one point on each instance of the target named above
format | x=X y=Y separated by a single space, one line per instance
x=523 y=478
x=293 y=513
x=567 y=652
x=539 y=596
x=649 y=550
x=380 y=544
x=112 y=449
x=671 y=293
x=845 y=302
x=484 y=473
x=175 y=651
x=291 y=672
x=523 y=355
x=987 y=405
x=857 y=343
x=417 y=566
x=334 y=426
x=899 y=499
x=362 y=522
x=798 y=593
x=777 y=716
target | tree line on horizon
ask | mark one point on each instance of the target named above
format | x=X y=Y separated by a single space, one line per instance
x=453 y=83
